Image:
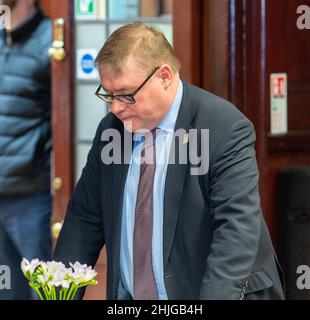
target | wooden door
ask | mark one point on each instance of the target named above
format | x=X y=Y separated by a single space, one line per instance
x=243 y=42
x=62 y=111
x=63 y=128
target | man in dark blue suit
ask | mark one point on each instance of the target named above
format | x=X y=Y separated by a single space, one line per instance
x=175 y=228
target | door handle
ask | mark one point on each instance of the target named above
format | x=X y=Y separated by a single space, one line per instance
x=57 y=50
x=57 y=183
x=55 y=229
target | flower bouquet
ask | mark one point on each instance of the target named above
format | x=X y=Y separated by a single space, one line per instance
x=53 y=281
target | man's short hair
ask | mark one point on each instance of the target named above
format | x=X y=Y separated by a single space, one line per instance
x=145 y=44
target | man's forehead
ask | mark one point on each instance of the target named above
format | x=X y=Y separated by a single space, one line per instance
x=125 y=79
x=108 y=78
x=109 y=71
x=117 y=71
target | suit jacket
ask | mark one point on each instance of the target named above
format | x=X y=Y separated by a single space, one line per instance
x=216 y=243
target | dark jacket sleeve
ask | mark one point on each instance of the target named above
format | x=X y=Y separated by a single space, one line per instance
x=236 y=214
x=82 y=234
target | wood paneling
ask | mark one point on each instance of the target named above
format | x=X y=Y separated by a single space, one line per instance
x=288 y=49
x=254 y=87
x=63 y=112
x=46 y=6
x=187 y=38
x=215 y=47
x=243 y=42
x=62 y=109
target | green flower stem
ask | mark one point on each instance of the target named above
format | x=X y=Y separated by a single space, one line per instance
x=39 y=293
x=74 y=292
x=46 y=293
x=72 y=289
x=69 y=294
x=65 y=292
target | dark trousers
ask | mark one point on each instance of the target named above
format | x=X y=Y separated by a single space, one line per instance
x=24 y=233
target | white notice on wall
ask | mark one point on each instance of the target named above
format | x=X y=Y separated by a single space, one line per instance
x=85 y=9
x=85 y=60
x=278 y=103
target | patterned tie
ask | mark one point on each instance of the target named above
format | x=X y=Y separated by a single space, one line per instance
x=144 y=281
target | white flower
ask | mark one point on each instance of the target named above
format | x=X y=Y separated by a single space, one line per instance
x=55 y=274
x=42 y=279
x=45 y=277
x=30 y=267
x=49 y=268
x=82 y=273
x=44 y=267
x=53 y=266
x=60 y=279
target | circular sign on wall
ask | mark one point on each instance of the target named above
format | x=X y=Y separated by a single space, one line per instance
x=86 y=68
x=87 y=63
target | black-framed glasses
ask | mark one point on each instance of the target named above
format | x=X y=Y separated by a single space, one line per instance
x=124 y=98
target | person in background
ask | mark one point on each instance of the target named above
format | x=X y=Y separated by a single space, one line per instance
x=171 y=231
x=25 y=141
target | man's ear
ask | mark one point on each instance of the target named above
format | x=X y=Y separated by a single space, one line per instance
x=166 y=75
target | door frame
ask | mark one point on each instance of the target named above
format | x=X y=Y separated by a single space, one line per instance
x=63 y=116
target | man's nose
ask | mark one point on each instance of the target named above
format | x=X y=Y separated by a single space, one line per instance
x=117 y=106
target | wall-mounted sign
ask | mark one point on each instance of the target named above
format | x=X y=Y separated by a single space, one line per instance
x=278 y=103
x=85 y=60
x=85 y=9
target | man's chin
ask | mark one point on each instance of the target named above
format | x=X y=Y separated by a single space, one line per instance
x=134 y=127
x=129 y=126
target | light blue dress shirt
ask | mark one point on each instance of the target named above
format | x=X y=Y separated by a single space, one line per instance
x=164 y=135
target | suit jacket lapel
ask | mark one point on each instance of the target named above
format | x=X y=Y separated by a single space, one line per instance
x=176 y=173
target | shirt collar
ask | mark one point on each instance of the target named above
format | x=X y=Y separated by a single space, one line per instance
x=168 y=122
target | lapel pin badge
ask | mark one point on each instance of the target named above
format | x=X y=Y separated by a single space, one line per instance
x=185 y=138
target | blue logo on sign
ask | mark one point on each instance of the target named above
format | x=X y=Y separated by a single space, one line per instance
x=88 y=63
